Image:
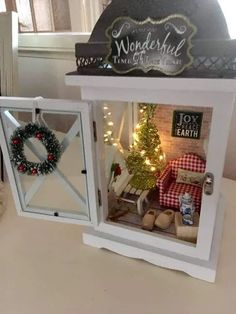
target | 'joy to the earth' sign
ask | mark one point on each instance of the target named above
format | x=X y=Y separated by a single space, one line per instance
x=150 y=45
x=187 y=124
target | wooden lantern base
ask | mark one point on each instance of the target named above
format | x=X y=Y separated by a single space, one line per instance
x=195 y=267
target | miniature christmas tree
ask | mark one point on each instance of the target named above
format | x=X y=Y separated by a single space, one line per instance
x=146 y=158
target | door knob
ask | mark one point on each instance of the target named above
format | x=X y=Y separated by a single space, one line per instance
x=208 y=185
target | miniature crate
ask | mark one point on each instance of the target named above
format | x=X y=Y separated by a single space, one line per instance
x=185 y=232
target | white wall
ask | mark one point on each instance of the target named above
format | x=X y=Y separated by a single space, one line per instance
x=41 y=73
x=43 y=61
x=45 y=77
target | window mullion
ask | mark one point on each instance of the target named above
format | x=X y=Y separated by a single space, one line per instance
x=33 y=16
x=10 y=5
x=52 y=15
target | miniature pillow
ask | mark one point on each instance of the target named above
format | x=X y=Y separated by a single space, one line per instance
x=190 y=177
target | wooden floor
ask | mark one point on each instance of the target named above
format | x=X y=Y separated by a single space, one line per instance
x=131 y=217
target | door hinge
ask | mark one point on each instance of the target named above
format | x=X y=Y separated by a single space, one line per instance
x=99 y=198
x=95 y=131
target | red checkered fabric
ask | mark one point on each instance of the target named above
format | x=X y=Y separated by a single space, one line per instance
x=169 y=190
x=164 y=180
x=171 y=199
x=191 y=162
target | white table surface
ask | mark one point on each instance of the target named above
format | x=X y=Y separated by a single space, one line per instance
x=46 y=269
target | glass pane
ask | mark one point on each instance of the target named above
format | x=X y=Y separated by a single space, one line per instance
x=84 y=14
x=155 y=165
x=64 y=191
x=2 y=6
x=61 y=15
x=25 y=16
x=105 y=3
x=43 y=15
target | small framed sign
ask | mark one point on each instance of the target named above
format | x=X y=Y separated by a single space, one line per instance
x=187 y=124
x=162 y=45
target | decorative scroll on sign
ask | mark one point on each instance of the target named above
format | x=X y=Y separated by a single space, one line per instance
x=150 y=45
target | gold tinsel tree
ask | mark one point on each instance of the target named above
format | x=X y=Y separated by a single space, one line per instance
x=146 y=158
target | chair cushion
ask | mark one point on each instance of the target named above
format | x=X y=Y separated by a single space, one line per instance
x=171 y=198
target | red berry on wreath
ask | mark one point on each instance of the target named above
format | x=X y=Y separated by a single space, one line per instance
x=50 y=157
x=16 y=141
x=21 y=168
x=34 y=171
x=39 y=136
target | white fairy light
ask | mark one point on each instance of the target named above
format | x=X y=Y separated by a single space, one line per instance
x=147 y=162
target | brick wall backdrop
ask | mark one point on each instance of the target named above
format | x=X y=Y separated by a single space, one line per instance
x=175 y=147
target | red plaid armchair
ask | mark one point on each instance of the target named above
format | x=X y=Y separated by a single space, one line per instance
x=169 y=189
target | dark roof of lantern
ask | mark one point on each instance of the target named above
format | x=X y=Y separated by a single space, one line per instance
x=205 y=14
x=214 y=54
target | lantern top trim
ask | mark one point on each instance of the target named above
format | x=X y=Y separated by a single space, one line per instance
x=212 y=51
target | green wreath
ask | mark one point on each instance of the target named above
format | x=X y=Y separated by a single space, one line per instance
x=47 y=138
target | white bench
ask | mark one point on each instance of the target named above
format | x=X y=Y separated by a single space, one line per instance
x=125 y=192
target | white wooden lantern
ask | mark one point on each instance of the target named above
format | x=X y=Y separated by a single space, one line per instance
x=77 y=191
x=199 y=260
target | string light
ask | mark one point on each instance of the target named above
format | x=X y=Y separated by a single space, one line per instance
x=147 y=162
x=109 y=138
x=135 y=136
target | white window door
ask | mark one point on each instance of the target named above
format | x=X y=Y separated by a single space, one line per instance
x=68 y=193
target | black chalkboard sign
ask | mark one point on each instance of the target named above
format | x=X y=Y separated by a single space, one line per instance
x=162 y=45
x=187 y=124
